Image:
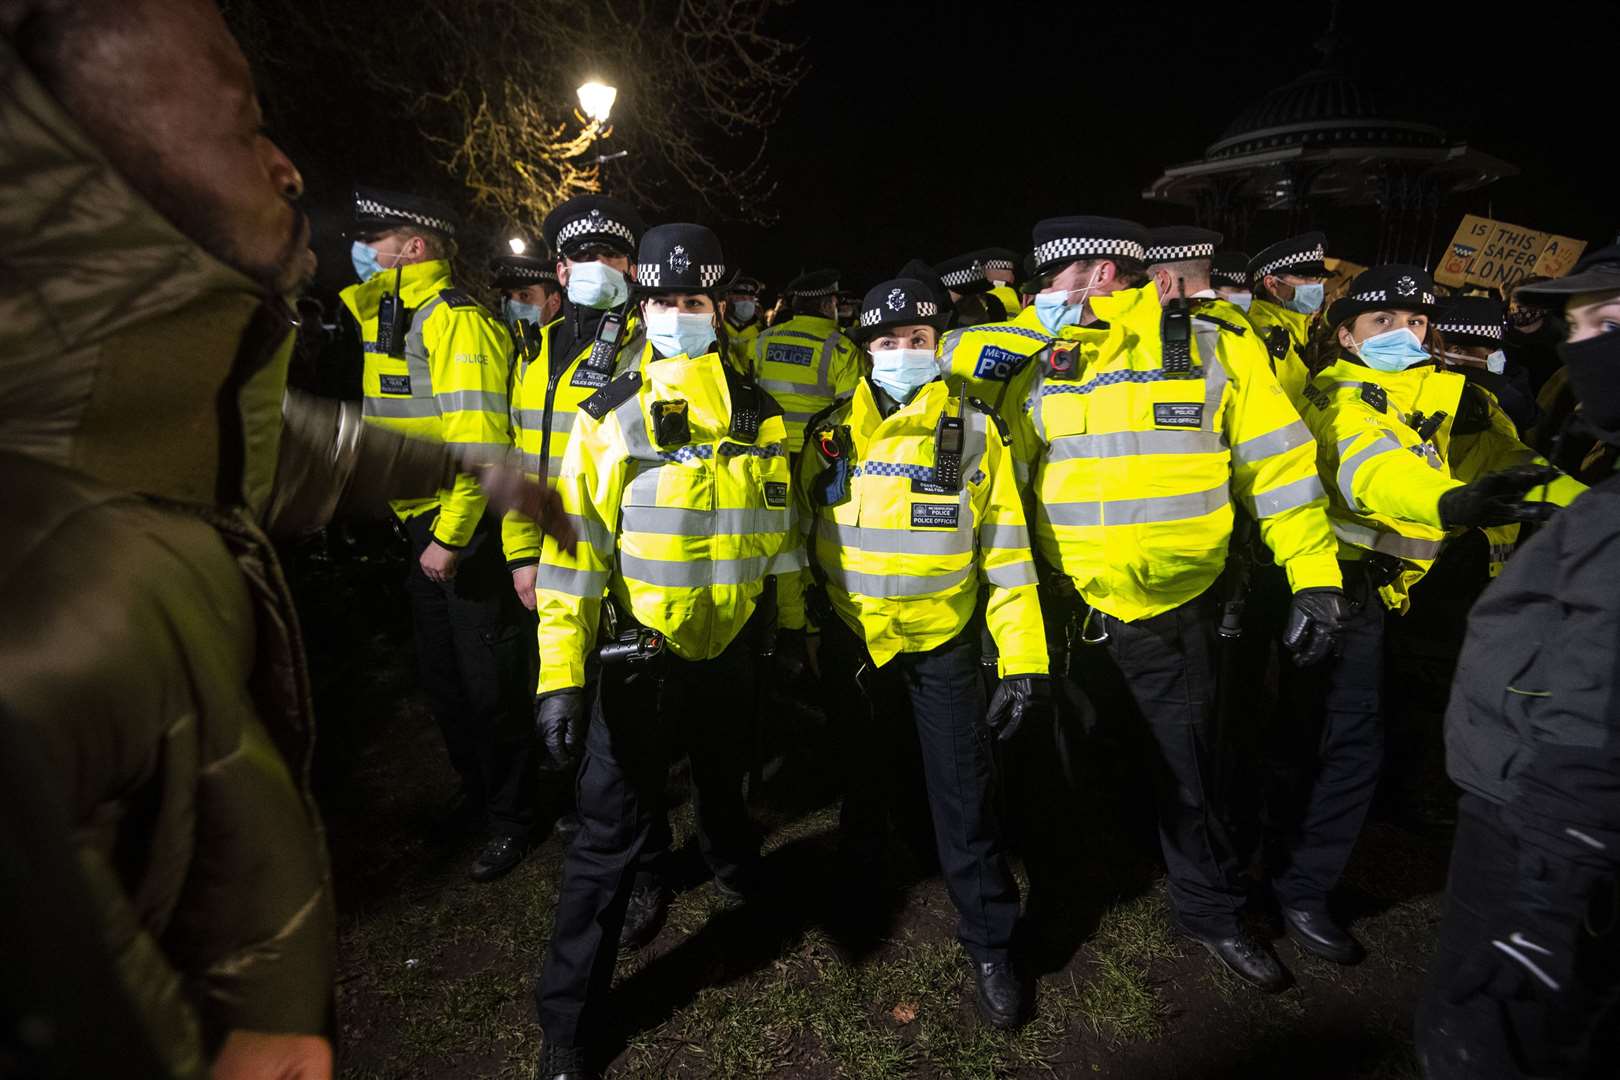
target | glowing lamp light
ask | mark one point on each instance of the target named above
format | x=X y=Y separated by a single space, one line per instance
x=596 y=100
x=518 y=245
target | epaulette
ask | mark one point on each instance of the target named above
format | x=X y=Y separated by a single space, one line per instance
x=612 y=395
x=1278 y=342
x=1316 y=395
x=1473 y=410
x=1375 y=396
x=1231 y=328
x=995 y=418
x=458 y=298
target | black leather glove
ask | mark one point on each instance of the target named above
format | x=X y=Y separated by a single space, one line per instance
x=1498 y=499
x=559 y=727
x=1315 y=620
x=1018 y=696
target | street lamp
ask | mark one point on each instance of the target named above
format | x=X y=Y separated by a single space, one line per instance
x=518 y=245
x=596 y=100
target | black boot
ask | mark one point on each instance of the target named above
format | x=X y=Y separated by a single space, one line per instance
x=563 y=1063
x=1246 y=958
x=498 y=858
x=1317 y=933
x=644 y=916
x=999 y=994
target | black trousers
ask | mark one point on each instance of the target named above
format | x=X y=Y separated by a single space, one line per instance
x=1330 y=747
x=1482 y=1015
x=620 y=796
x=941 y=692
x=1168 y=663
x=473 y=650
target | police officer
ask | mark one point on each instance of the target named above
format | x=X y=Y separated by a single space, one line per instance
x=1289 y=280
x=530 y=300
x=1229 y=276
x=678 y=475
x=744 y=320
x=971 y=291
x=436 y=367
x=1148 y=426
x=1387 y=422
x=911 y=503
x=849 y=305
x=1528 y=967
x=1001 y=267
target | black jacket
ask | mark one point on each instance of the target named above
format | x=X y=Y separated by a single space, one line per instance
x=1534 y=720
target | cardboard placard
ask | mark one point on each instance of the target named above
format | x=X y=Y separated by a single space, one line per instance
x=1495 y=254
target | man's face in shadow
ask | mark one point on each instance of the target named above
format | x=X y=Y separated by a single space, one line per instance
x=164 y=91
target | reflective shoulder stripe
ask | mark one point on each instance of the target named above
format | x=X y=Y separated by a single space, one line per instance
x=1387 y=541
x=416 y=356
x=1288 y=437
x=1290 y=496
x=1348 y=467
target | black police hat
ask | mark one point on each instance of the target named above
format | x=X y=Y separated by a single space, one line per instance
x=521 y=271
x=593 y=219
x=1598 y=271
x=680 y=257
x=1067 y=239
x=917 y=270
x=1229 y=269
x=1472 y=320
x=995 y=258
x=746 y=286
x=1301 y=255
x=1180 y=243
x=376 y=210
x=1396 y=287
x=812 y=284
x=900 y=301
x=963 y=274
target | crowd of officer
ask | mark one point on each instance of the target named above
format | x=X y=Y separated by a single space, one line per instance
x=942 y=495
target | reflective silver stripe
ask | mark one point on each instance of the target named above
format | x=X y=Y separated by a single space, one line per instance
x=1501 y=552
x=695 y=574
x=799 y=389
x=1032 y=405
x=978 y=425
x=411 y=408
x=1390 y=543
x=1004 y=536
x=593 y=533
x=633 y=426
x=1138 y=511
x=642 y=490
x=534 y=419
x=590 y=584
x=1214 y=389
x=416 y=355
x=562 y=420
x=471 y=401
x=483 y=451
x=1130 y=443
x=1292 y=496
x=677 y=521
x=787 y=561
x=789 y=417
x=1284 y=439
x=531 y=462
x=1348 y=467
x=1011 y=576
x=531 y=419
x=896 y=541
x=876 y=585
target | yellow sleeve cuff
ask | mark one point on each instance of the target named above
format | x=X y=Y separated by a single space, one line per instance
x=1314 y=572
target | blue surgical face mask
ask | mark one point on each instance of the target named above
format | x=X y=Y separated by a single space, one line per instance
x=679 y=333
x=1241 y=299
x=744 y=310
x=1054 y=310
x=366 y=262
x=1307 y=298
x=596 y=285
x=1393 y=350
x=902 y=372
x=1496 y=363
x=518 y=311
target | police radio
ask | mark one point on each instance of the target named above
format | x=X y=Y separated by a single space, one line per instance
x=606 y=345
x=393 y=317
x=1175 y=335
x=948 y=452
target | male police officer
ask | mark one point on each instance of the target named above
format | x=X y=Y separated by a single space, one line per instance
x=971 y=293
x=1229 y=277
x=530 y=300
x=744 y=320
x=436 y=367
x=1147 y=426
x=1001 y=267
x=1289 y=282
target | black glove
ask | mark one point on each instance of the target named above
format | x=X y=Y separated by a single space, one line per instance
x=1315 y=619
x=1498 y=499
x=559 y=727
x=1018 y=696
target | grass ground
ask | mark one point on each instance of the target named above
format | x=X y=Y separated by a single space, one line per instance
x=818 y=980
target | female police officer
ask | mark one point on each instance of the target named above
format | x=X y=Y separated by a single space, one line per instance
x=678 y=485
x=911 y=503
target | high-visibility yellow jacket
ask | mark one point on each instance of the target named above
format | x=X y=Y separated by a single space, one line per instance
x=1010 y=300
x=805 y=363
x=740 y=341
x=544 y=408
x=1138 y=465
x=683 y=536
x=997 y=363
x=1285 y=335
x=1385 y=479
x=448 y=385
x=903 y=555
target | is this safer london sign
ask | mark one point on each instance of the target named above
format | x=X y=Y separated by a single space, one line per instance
x=1496 y=254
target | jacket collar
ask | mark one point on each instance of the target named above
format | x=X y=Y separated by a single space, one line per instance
x=417 y=284
x=1298 y=323
x=865 y=417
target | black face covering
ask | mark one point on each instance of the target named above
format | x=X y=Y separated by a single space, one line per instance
x=1594 y=376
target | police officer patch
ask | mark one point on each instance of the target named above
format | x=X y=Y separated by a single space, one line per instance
x=775 y=494
x=394 y=384
x=799 y=355
x=935 y=515
x=998 y=364
x=896 y=300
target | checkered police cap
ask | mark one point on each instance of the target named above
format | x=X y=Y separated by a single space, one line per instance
x=593 y=218
x=1180 y=243
x=1062 y=240
x=899 y=302
x=679 y=257
x=1482 y=318
x=376 y=209
x=1298 y=254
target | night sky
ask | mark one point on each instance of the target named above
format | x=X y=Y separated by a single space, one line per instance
x=931 y=130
